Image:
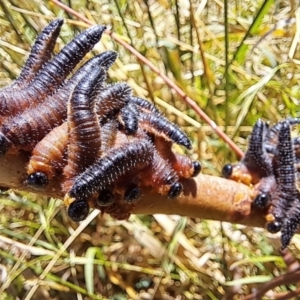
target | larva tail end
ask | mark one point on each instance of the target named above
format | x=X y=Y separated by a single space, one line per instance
x=37 y=180
x=187 y=144
x=78 y=211
x=57 y=22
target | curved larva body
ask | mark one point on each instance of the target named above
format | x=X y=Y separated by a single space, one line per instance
x=256 y=159
x=40 y=54
x=286 y=180
x=83 y=125
x=144 y=105
x=49 y=155
x=112 y=99
x=285 y=195
x=108 y=136
x=52 y=75
x=136 y=155
x=291 y=224
x=129 y=118
x=160 y=175
x=28 y=128
x=183 y=166
x=257 y=163
x=160 y=126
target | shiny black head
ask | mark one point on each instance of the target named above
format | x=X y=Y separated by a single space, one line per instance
x=175 y=190
x=37 y=179
x=78 y=210
x=262 y=200
x=132 y=194
x=274 y=227
x=227 y=170
x=105 y=198
x=197 y=168
x=4 y=144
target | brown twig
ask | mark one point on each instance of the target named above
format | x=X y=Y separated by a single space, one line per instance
x=287 y=295
x=168 y=81
x=284 y=279
x=292 y=276
x=205 y=196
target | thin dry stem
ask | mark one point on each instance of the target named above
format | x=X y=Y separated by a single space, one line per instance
x=205 y=196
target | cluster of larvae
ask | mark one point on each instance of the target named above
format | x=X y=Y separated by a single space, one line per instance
x=271 y=165
x=105 y=143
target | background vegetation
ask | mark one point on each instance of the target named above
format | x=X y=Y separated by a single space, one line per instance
x=238 y=60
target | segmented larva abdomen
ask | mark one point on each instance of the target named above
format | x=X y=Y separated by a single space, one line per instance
x=108 y=136
x=136 y=155
x=120 y=139
x=52 y=75
x=160 y=175
x=286 y=182
x=160 y=126
x=256 y=163
x=291 y=224
x=183 y=165
x=286 y=159
x=25 y=130
x=40 y=53
x=256 y=159
x=83 y=125
x=144 y=105
x=112 y=99
x=285 y=206
x=48 y=156
x=296 y=145
x=129 y=118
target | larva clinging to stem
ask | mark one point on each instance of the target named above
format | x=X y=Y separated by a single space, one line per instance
x=256 y=163
x=40 y=54
x=48 y=157
x=286 y=192
x=112 y=99
x=134 y=155
x=159 y=125
x=52 y=75
x=25 y=130
x=83 y=126
x=184 y=166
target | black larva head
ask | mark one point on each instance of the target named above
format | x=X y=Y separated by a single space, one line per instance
x=274 y=227
x=261 y=200
x=175 y=190
x=132 y=194
x=78 y=210
x=4 y=144
x=197 y=168
x=105 y=198
x=37 y=179
x=227 y=170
